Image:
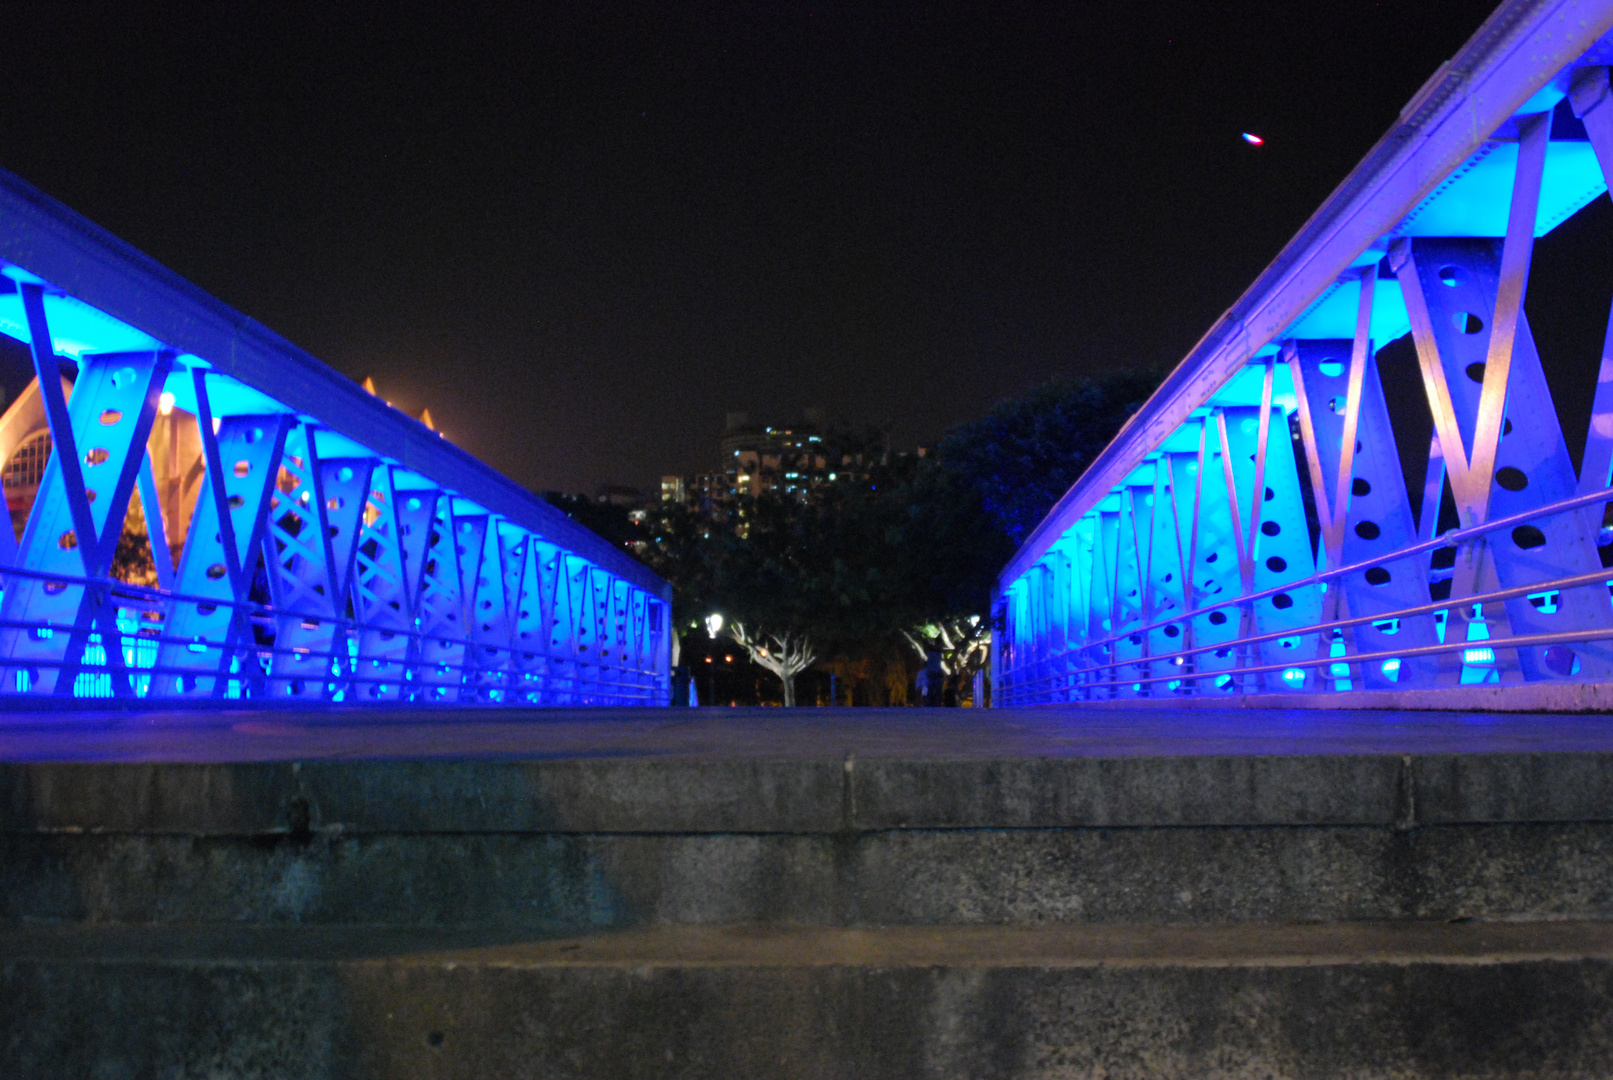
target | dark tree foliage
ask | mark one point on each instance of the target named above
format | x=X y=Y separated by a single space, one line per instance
x=852 y=569
x=921 y=540
x=606 y=519
x=1020 y=458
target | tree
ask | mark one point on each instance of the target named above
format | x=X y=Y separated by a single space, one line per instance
x=1022 y=457
x=785 y=654
x=964 y=644
x=904 y=551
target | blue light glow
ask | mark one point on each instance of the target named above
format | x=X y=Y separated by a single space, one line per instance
x=278 y=417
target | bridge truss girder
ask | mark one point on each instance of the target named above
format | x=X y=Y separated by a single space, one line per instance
x=327 y=549
x=1250 y=536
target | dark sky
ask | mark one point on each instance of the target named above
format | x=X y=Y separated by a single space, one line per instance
x=580 y=233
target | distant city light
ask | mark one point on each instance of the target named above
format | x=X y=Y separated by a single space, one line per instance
x=165 y=403
x=1253 y=140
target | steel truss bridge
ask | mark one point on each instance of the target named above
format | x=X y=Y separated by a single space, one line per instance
x=1249 y=537
x=209 y=514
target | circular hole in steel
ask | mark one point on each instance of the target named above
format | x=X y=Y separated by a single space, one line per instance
x=1218 y=618
x=1281 y=601
x=1368 y=530
x=110 y=417
x=215 y=571
x=1330 y=367
x=1451 y=276
x=67 y=541
x=1560 y=660
x=1467 y=323
x=1527 y=536
x=1358 y=486
x=1377 y=576
x=1270 y=528
x=1276 y=564
x=1512 y=479
x=95 y=455
x=243 y=467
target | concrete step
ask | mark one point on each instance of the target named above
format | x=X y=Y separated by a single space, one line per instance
x=1404 y=1000
x=898 y=837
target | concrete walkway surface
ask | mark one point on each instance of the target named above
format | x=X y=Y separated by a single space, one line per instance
x=776 y=734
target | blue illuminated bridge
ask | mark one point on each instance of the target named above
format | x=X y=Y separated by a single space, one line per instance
x=1249 y=537
x=207 y=513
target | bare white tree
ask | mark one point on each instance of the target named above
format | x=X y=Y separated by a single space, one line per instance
x=785 y=655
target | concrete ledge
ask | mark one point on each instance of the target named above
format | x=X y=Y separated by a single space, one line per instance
x=1318 y=1002
x=1512 y=698
x=599 y=796
x=555 y=883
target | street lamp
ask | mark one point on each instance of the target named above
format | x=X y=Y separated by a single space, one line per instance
x=713 y=628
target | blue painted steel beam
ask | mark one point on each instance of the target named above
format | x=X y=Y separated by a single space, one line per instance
x=84 y=261
x=309 y=544
x=1248 y=535
x=1522 y=50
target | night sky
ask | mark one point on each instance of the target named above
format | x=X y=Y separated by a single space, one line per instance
x=581 y=233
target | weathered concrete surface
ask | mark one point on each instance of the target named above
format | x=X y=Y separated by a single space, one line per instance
x=913 y=834
x=617 y=795
x=824 y=893
x=1300 y=1002
x=557 y=882
x=419 y=733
